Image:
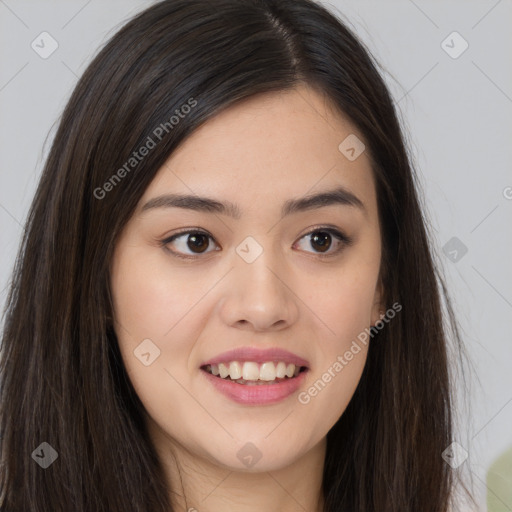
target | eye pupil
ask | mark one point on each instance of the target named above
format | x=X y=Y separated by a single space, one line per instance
x=198 y=242
x=321 y=240
x=197 y=239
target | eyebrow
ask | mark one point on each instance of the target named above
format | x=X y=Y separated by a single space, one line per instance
x=337 y=196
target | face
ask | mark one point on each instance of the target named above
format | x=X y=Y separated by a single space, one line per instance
x=273 y=287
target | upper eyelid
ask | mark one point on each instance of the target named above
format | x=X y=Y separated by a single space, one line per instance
x=314 y=229
x=334 y=231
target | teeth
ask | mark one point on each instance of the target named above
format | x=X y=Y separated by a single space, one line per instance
x=235 y=370
x=251 y=371
x=223 y=370
x=281 y=370
x=267 y=371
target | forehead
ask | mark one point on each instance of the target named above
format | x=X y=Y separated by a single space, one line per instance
x=267 y=149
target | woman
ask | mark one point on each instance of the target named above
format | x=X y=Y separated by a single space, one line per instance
x=226 y=298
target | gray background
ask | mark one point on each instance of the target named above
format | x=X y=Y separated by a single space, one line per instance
x=457 y=114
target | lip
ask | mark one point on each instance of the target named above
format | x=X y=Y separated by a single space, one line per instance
x=264 y=394
x=259 y=356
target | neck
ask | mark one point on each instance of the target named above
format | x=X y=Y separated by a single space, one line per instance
x=199 y=485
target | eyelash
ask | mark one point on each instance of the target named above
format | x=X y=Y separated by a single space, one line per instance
x=341 y=237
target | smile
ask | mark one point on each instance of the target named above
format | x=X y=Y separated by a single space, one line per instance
x=252 y=373
x=253 y=376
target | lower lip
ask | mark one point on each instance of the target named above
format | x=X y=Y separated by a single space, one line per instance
x=263 y=394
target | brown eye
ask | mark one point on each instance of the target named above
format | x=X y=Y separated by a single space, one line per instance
x=192 y=244
x=197 y=241
x=188 y=244
x=321 y=240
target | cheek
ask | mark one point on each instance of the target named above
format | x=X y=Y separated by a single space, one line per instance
x=342 y=302
x=154 y=309
x=154 y=313
x=149 y=299
x=329 y=391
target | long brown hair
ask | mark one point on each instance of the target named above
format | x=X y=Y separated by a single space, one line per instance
x=62 y=377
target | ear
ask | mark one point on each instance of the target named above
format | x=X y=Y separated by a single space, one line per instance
x=378 y=308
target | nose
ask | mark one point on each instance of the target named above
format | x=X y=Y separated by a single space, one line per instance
x=258 y=297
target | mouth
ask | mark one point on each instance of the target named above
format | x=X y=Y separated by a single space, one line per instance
x=254 y=376
x=252 y=373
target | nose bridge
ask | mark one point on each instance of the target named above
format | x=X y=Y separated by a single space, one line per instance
x=257 y=293
x=256 y=268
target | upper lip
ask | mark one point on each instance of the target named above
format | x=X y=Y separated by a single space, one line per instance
x=258 y=355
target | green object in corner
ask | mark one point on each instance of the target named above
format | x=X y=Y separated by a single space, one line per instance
x=499 y=484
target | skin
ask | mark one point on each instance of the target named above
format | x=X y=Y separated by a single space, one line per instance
x=274 y=147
